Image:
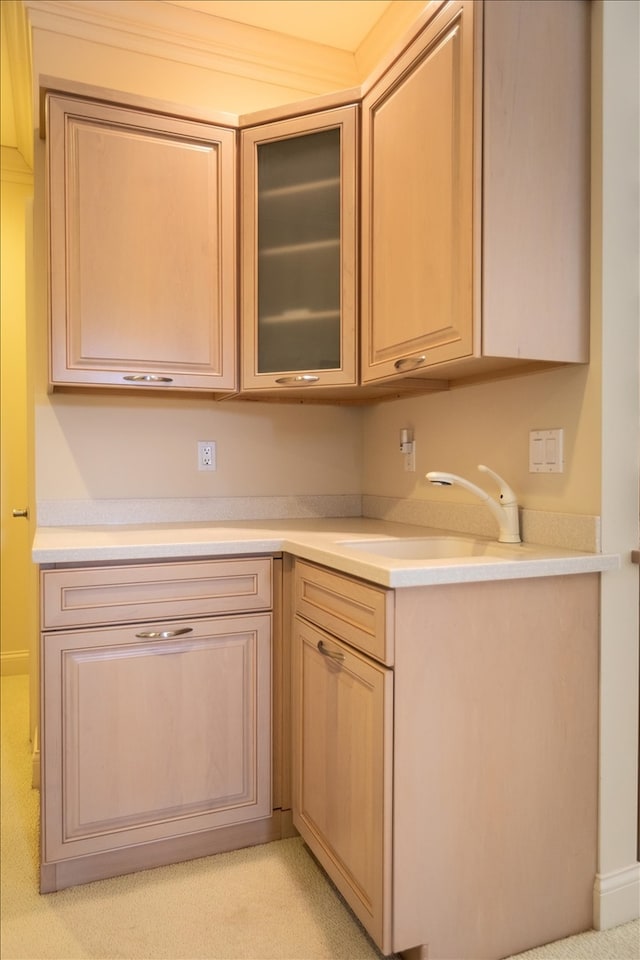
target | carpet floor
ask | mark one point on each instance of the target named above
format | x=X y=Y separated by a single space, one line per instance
x=270 y=902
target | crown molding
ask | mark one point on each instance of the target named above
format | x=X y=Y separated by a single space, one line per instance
x=188 y=36
x=18 y=36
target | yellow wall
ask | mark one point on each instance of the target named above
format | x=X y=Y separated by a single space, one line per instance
x=16 y=190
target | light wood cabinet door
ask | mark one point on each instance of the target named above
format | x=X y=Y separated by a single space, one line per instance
x=475 y=212
x=299 y=215
x=417 y=216
x=142 y=249
x=154 y=731
x=342 y=721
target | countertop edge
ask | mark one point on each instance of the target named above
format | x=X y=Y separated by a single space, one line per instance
x=316 y=541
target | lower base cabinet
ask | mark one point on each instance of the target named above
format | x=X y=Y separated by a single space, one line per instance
x=444 y=739
x=157 y=734
x=445 y=757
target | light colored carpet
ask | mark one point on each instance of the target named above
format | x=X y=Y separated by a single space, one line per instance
x=265 y=903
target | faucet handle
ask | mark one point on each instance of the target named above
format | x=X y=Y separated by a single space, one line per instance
x=507 y=496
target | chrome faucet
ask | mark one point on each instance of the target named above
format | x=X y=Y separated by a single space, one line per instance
x=505 y=511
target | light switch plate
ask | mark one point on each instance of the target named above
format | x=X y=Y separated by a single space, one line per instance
x=546 y=453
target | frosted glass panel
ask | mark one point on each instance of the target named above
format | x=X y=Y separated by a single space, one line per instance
x=299 y=253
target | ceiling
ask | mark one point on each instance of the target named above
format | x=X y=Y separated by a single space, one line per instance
x=337 y=23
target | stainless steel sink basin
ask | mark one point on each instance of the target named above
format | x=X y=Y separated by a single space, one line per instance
x=436 y=548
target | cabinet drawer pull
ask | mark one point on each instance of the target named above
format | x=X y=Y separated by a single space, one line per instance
x=329 y=653
x=147 y=378
x=410 y=363
x=300 y=380
x=163 y=634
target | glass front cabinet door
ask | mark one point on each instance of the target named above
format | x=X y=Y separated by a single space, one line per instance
x=299 y=253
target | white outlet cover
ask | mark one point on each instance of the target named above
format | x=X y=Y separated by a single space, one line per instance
x=206 y=455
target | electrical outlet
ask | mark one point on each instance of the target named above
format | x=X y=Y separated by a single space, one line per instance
x=206 y=455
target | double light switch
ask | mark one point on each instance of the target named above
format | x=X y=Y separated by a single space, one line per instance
x=545 y=451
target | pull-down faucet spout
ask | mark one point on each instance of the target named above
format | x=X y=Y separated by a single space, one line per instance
x=505 y=510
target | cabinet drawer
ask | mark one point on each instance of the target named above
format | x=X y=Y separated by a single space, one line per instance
x=125 y=594
x=359 y=613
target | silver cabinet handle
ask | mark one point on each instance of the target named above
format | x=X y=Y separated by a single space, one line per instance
x=21 y=513
x=329 y=653
x=301 y=379
x=164 y=634
x=410 y=363
x=147 y=378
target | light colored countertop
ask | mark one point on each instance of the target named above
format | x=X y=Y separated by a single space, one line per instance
x=323 y=541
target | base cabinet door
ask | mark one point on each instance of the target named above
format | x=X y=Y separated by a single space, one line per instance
x=342 y=718
x=153 y=732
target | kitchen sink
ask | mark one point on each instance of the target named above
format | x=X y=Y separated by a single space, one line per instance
x=436 y=548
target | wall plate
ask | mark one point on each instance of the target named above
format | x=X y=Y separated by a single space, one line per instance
x=546 y=451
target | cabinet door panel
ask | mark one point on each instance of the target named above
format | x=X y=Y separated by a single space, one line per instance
x=417 y=220
x=342 y=763
x=142 y=247
x=299 y=250
x=148 y=737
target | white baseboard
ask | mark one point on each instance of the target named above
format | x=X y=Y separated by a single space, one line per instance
x=14 y=662
x=616 y=897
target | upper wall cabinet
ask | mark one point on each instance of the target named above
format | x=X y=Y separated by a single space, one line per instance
x=142 y=249
x=475 y=186
x=470 y=195
x=299 y=253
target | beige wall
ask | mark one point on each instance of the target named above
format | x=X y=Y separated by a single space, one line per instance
x=102 y=448
x=489 y=423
